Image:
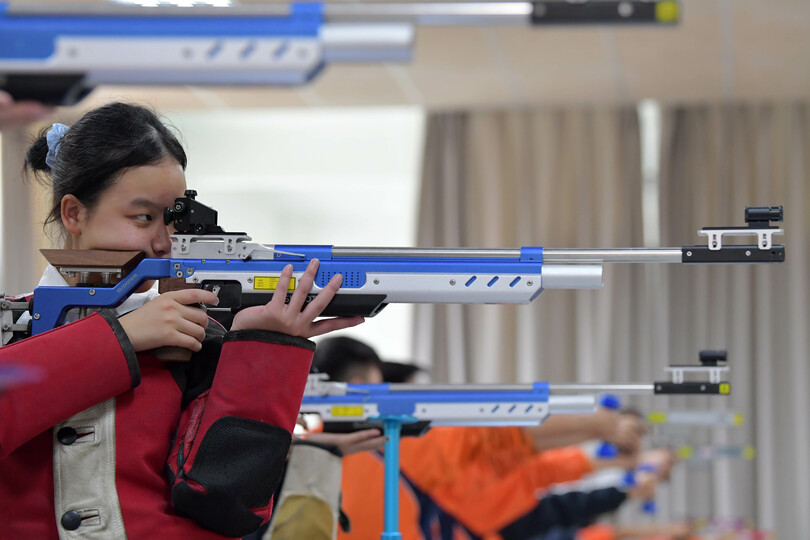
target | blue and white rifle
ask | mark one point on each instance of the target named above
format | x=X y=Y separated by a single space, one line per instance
x=58 y=52
x=712 y=364
x=245 y=273
x=491 y=404
x=393 y=406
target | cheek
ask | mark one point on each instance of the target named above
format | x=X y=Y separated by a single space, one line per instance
x=122 y=237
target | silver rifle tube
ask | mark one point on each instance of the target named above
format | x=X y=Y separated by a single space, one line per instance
x=571 y=404
x=409 y=387
x=639 y=389
x=620 y=255
x=426 y=14
x=433 y=13
x=576 y=388
x=381 y=42
x=460 y=253
x=550 y=255
x=572 y=276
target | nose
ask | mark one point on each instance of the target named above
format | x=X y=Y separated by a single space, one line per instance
x=161 y=243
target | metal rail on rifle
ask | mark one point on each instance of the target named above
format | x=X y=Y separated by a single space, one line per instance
x=58 y=52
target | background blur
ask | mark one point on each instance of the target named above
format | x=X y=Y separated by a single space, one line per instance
x=561 y=137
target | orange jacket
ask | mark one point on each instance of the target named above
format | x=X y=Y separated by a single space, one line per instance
x=597 y=532
x=486 y=477
x=362 y=485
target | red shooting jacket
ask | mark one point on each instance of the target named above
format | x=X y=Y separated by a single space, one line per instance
x=107 y=443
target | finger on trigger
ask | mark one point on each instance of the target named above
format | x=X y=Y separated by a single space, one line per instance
x=194 y=296
x=195 y=315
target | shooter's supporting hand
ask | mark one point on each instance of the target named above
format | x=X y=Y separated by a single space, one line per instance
x=351 y=443
x=288 y=318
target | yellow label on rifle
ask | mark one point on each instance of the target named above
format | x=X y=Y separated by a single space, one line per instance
x=725 y=388
x=685 y=452
x=667 y=12
x=347 y=410
x=268 y=283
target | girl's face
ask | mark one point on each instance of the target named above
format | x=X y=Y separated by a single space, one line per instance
x=129 y=214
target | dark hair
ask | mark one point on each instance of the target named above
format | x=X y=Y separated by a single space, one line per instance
x=98 y=148
x=343 y=357
x=397 y=372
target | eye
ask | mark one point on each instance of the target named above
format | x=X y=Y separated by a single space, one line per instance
x=143 y=217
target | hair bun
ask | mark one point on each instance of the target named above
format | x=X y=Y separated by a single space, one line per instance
x=36 y=154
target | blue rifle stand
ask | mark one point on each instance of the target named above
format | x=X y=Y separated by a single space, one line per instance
x=392 y=428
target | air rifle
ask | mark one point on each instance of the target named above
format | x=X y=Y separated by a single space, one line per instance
x=703 y=455
x=58 y=52
x=674 y=427
x=493 y=404
x=486 y=404
x=244 y=273
x=394 y=405
x=712 y=363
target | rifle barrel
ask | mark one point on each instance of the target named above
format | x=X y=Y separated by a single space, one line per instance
x=550 y=255
x=637 y=389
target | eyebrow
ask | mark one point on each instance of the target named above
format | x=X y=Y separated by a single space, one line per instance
x=141 y=202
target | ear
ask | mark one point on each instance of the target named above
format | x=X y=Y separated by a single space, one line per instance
x=73 y=214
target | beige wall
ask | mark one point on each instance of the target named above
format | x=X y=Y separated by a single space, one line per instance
x=21 y=232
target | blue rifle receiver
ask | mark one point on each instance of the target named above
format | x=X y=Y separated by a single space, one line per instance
x=244 y=273
x=58 y=52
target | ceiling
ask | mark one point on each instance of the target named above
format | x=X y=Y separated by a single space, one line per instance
x=751 y=50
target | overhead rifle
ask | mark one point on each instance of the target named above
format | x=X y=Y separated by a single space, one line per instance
x=57 y=53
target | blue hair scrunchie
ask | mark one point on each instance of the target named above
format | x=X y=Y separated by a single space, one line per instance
x=54 y=140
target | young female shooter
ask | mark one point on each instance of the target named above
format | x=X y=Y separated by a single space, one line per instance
x=109 y=441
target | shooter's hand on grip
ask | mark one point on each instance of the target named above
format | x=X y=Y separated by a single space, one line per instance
x=623 y=431
x=169 y=320
x=288 y=318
